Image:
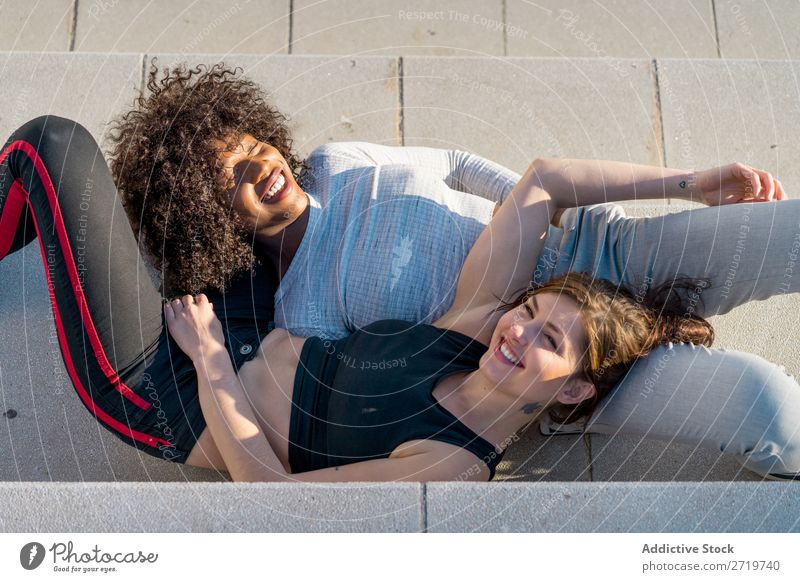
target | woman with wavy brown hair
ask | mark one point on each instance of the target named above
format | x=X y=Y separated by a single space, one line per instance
x=359 y=233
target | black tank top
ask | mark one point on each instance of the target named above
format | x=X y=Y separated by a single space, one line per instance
x=358 y=398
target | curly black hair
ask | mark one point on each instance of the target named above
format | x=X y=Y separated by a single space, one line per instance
x=166 y=165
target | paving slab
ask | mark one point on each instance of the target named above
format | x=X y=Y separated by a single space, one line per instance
x=90 y=88
x=328 y=98
x=613 y=507
x=446 y=27
x=611 y=28
x=718 y=111
x=512 y=110
x=533 y=457
x=183 y=26
x=633 y=458
x=210 y=507
x=35 y=26
x=758 y=29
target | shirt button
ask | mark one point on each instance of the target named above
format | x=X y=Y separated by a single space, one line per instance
x=245 y=349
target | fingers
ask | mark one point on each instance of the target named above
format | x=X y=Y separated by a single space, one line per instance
x=767 y=193
x=780 y=193
x=172 y=308
x=755 y=181
x=175 y=307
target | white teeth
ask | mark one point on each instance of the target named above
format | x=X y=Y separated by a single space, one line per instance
x=504 y=350
x=279 y=183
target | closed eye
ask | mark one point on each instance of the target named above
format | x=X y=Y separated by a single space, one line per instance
x=550 y=338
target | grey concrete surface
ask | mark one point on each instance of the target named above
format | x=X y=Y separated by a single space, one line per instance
x=611 y=28
x=328 y=98
x=758 y=29
x=210 y=507
x=513 y=110
x=183 y=26
x=35 y=26
x=88 y=87
x=445 y=27
x=613 y=507
x=534 y=457
x=617 y=458
x=400 y=507
x=716 y=112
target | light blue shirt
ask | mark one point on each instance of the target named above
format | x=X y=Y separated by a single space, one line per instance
x=388 y=231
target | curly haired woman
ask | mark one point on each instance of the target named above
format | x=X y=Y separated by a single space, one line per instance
x=361 y=233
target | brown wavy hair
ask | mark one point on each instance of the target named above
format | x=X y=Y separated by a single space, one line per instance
x=622 y=326
x=166 y=165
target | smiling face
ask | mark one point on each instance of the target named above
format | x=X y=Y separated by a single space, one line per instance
x=535 y=348
x=260 y=186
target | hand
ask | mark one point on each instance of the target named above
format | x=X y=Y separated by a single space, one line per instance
x=737 y=183
x=194 y=326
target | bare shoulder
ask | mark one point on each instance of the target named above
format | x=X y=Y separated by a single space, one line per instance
x=476 y=322
x=447 y=458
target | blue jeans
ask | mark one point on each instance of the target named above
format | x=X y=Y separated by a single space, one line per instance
x=735 y=402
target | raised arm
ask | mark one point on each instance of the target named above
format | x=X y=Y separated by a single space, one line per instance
x=501 y=261
x=460 y=170
x=586 y=182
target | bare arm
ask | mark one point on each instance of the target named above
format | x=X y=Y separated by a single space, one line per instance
x=586 y=182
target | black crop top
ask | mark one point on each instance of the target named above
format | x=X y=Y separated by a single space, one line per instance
x=359 y=397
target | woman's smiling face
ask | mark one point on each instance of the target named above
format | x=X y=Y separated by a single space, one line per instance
x=260 y=186
x=535 y=347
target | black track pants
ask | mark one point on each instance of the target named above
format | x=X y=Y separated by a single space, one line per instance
x=55 y=186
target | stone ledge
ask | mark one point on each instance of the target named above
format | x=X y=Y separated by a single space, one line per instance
x=400 y=507
x=210 y=507
x=614 y=507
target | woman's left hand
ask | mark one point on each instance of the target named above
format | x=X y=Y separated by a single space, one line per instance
x=736 y=183
x=194 y=326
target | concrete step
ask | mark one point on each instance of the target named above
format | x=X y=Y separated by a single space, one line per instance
x=757 y=29
x=674 y=112
x=399 y=507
